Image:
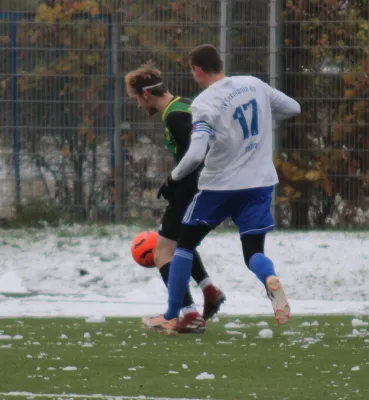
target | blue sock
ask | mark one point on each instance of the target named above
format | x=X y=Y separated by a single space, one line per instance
x=179 y=278
x=261 y=266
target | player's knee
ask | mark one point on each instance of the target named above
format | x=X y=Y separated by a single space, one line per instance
x=163 y=254
x=161 y=258
x=185 y=242
x=191 y=236
x=158 y=257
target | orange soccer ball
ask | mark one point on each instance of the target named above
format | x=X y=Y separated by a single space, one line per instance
x=143 y=248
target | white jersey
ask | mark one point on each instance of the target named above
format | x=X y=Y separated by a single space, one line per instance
x=237 y=112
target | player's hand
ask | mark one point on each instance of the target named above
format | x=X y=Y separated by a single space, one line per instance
x=166 y=189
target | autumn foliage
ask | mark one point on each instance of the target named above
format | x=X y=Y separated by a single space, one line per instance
x=62 y=86
x=324 y=155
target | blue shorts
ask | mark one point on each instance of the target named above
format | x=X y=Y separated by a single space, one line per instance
x=248 y=208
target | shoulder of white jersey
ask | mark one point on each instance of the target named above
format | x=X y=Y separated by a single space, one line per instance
x=255 y=81
x=247 y=78
x=203 y=97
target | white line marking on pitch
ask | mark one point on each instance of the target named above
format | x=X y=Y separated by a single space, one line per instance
x=90 y=396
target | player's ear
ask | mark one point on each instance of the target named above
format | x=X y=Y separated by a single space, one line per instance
x=197 y=70
x=145 y=94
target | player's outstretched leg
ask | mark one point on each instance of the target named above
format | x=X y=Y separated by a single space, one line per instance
x=190 y=314
x=164 y=252
x=263 y=268
x=213 y=296
x=179 y=277
x=170 y=324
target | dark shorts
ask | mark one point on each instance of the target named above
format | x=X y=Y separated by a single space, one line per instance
x=171 y=221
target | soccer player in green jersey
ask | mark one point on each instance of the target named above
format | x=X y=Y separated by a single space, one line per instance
x=146 y=85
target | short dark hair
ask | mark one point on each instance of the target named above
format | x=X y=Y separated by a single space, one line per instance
x=206 y=57
x=145 y=76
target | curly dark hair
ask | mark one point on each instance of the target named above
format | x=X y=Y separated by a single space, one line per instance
x=146 y=76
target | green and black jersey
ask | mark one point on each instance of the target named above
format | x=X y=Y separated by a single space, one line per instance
x=177 y=120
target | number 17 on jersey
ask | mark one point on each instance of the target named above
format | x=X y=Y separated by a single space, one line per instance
x=239 y=115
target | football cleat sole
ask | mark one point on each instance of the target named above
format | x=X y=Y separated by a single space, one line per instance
x=279 y=300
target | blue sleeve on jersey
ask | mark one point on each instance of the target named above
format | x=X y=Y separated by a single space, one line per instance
x=201 y=127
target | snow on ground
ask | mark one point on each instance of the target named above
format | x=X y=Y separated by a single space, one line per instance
x=11 y=283
x=322 y=272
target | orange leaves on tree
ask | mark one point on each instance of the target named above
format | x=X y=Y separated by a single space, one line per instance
x=94 y=11
x=86 y=129
x=290 y=193
x=65 y=152
x=46 y=14
x=289 y=4
x=90 y=137
x=128 y=139
x=337 y=40
x=23 y=84
x=282 y=200
x=338 y=132
x=135 y=11
x=349 y=79
x=316 y=52
x=176 y=6
x=289 y=171
x=64 y=11
x=327 y=186
x=3 y=86
x=289 y=190
x=324 y=41
x=350 y=93
x=88 y=6
x=313 y=175
x=360 y=106
x=4 y=39
x=292 y=176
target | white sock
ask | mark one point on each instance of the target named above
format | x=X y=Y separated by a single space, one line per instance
x=189 y=309
x=205 y=283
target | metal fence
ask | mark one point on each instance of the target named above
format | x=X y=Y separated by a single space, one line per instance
x=57 y=110
x=70 y=138
x=324 y=154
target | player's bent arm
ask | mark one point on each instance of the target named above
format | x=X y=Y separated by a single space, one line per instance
x=193 y=158
x=203 y=117
x=283 y=106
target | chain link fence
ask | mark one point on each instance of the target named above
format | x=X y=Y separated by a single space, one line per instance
x=71 y=140
x=324 y=154
x=57 y=110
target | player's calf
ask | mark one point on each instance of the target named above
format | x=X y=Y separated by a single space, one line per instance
x=263 y=268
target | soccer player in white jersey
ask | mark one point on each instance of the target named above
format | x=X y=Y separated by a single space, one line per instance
x=232 y=118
